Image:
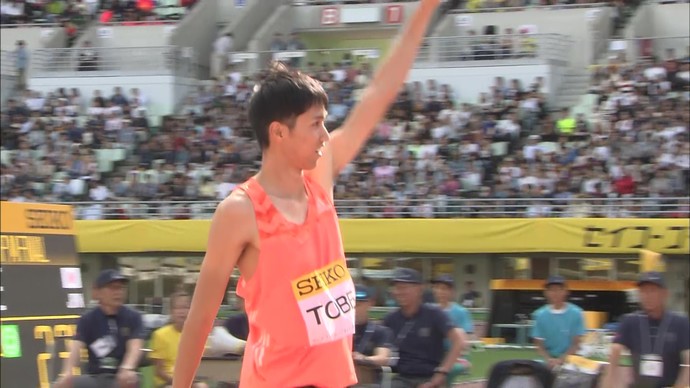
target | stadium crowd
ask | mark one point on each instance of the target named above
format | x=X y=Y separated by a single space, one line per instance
x=432 y=156
x=77 y=12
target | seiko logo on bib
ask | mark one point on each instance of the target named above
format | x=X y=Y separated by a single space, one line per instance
x=326 y=299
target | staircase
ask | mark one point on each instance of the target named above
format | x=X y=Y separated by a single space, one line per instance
x=575 y=84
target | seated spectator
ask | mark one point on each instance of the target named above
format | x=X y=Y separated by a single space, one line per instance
x=165 y=341
x=88 y=58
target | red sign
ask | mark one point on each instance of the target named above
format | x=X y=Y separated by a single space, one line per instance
x=394 y=14
x=330 y=16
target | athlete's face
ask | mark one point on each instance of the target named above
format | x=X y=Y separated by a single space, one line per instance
x=303 y=145
x=652 y=297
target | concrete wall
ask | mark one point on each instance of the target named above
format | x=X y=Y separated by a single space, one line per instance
x=163 y=92
x=668 y=23
x=127 y=36
x=589 y=28
x=308 y=17
x=35 y=37
x=251 y=19
x=197 y=32
x=469 y=82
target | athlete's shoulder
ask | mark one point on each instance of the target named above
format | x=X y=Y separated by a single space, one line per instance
x=235 y=207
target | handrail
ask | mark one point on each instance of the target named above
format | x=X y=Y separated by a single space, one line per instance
x=528 y=7
x=29 y=25
x=52 y=62
x=7 y=63
x=416 y=208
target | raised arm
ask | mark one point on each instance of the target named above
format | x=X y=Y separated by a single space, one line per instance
x=231 y=232
x=376 y=99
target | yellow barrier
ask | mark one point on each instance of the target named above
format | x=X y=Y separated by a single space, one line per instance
x=558 y=235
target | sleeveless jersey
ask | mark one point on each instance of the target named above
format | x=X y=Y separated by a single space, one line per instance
x=300 y=301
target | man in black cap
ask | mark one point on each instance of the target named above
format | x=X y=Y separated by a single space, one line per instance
x=558 y=326
x=419 y=332
x=113 y=335
x=372 y=342
x=657 y=339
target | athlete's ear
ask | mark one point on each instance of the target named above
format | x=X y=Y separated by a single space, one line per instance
x=276 y=130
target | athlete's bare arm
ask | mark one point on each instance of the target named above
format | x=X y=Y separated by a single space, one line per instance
x=233 y=229
x=376 y=99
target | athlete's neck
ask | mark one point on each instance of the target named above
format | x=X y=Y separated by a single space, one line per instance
x=558 y=306
x=278 y=179
x=361 y=321
x=444 y=304
x=178 y=326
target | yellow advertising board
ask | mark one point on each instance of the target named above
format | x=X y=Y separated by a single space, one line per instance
x=557 y=235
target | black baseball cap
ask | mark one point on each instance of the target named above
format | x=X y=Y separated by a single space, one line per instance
x=555 y=280
x=362 y=292
x=406 y=275
x=651 y=278
x=109 y=276
x=444 y=279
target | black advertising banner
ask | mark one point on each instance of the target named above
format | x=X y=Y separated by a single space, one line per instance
x=41 y=292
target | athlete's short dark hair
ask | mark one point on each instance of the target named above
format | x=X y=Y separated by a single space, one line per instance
x=282 y=95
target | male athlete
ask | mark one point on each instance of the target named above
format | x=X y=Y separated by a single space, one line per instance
x=281 y=229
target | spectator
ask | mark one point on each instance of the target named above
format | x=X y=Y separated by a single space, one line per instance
x=88 y=58
x=21 y=58
x=444 y=288
x=222 y=49
x=165 y=340
x=558 y=326
x=471 y=298
x=431 y=157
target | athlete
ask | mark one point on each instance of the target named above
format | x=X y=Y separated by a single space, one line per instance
x=281 y=229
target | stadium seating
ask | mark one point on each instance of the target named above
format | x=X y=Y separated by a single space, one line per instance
x=507 y=153
x=79 y=12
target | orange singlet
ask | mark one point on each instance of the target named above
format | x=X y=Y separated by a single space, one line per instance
x=300 y=301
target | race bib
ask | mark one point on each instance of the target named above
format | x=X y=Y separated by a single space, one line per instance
x=103 y=346
x=651 y=366
x=326 y=299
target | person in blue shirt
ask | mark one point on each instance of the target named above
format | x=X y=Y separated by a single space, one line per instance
x=558 y=326
x=444 y=290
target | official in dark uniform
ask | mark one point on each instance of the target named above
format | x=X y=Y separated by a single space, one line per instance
x=113 y=335
x=419 y=331
x=657 y=339
x=372 y=342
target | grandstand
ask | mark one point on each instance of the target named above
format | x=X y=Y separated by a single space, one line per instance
x=514 y=109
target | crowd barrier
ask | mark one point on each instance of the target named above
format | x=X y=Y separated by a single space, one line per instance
x=436 y=236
